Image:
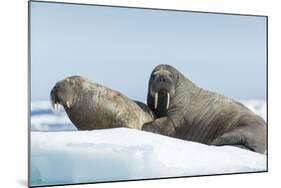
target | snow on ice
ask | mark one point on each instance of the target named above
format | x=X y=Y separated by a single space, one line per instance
x=126 y=154
x=62 y=155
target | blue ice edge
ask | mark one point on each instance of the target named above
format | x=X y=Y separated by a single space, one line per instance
x=127 y=154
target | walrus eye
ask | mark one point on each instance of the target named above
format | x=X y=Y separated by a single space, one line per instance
x=71 y=82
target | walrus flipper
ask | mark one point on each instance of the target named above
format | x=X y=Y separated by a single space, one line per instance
x=230 y=138
x=234 y=139
x=163 y=125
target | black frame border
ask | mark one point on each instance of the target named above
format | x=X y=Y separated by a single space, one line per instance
x=144 y=8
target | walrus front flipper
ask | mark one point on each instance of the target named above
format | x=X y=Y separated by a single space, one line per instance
x=241 y=146
x=163 y=125
x=254 y=141
x=233 y=139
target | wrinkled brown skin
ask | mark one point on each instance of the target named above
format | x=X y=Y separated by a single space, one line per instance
x=93 y=106
x=207 y=117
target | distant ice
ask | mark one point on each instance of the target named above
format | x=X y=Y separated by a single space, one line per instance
x=126 y=154
x=44 y=118
x=257 y=106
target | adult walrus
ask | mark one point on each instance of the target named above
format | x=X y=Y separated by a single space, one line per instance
x=92 y=106
x=188 y=112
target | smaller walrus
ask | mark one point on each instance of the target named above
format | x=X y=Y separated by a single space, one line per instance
x=92 y=106
x=188 y=112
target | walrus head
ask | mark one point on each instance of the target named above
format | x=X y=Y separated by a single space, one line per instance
x=63 y=92
x=162 y=86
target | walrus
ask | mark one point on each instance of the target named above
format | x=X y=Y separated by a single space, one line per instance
x=186 y=111
x=92 y=106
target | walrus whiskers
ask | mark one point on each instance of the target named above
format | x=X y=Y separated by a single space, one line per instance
x=161 y=71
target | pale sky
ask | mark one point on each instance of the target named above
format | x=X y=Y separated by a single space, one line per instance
x=119 y=47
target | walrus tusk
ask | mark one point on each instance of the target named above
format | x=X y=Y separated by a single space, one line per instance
x=56 y=107
x=168 y=100
x=156 y=100
x=68 y=104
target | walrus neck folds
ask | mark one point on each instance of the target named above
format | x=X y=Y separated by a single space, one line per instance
x=184 y=84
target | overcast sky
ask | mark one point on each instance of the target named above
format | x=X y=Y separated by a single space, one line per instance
x=119 y=47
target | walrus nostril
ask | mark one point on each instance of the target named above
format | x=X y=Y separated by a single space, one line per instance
x=160 y=79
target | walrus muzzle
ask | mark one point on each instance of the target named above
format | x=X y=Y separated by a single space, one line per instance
x=161 y=90
x=61 y=94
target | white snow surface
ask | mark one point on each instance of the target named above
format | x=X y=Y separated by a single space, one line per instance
x=62 y=155
x=126 y=154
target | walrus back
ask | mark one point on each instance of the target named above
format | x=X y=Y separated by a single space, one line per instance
x=99 y=107
x=215 y=114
